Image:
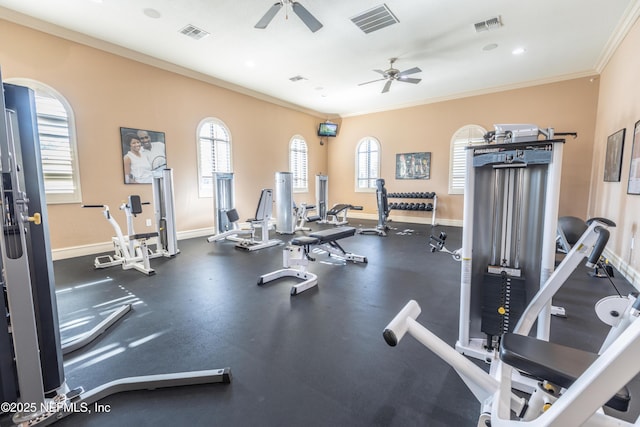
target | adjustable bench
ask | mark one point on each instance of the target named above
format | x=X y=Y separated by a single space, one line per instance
x=296 y=256
x=338 y=213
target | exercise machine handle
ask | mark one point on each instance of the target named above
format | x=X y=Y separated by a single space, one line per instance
x=598 y=248
x=93 y=206
x=397 y=328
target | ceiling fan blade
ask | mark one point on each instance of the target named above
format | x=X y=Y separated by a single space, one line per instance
x=380 y=72
x=409 y=71
x=308 y=19
x=266 y=19
x=386 y=87
x=409 y=80
x=372 y=81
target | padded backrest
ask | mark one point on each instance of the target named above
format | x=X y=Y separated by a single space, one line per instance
x=383 y=201
x=572 y=228
x=135 y=204
x=264 y=205
x=232 y=215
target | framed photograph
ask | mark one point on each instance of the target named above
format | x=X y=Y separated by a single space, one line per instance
x=143 y=151
x=613 y=158
x=413 y=165
x=634 y=170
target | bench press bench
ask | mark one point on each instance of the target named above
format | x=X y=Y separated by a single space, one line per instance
x=296 y=256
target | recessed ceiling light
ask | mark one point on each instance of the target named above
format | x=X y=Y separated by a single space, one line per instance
x=152 y=13
x=518 y=51
x=490 y=46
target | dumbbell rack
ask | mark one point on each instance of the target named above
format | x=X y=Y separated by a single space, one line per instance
x=413 y=206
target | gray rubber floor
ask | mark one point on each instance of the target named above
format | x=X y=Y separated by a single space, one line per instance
x=315 y=359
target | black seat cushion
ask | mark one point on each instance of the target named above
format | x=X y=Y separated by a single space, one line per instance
x=332 y=234
x=141 y=236
x=556 y=363
x=303 y=241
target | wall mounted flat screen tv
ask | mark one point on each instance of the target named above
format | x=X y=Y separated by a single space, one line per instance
x=327 y=129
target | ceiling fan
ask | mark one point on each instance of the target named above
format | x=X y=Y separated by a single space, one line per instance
x=392 y=74
x=306 y=17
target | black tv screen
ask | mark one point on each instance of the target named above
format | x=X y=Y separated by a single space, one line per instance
x=327 y=129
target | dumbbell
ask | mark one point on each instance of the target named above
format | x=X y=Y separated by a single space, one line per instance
x=429 y=207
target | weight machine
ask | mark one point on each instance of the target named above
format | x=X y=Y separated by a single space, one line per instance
x=567 y=386
x=31 y=368
x=322 y=197
x=383 y=211
x=510 y=216
x=132 y=251
x=285 y=221
x=260 y=221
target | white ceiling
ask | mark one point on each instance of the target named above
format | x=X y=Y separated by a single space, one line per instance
x=562 y=38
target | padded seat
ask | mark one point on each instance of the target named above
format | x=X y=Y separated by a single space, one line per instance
x=332 y=234
x=303 y=241
x=556 y=363
x=141 y=236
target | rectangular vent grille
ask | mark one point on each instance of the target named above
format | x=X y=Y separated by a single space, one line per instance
x=375 y=19
x=489 y=24
x=194 y=32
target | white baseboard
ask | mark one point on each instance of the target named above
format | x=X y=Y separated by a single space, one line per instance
x=629 y=273
x=424 y=219
x=97 y=248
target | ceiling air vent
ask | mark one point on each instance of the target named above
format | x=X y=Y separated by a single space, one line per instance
x=194 y=32
x=296 y=78
x=375 y=19
x=489 y=24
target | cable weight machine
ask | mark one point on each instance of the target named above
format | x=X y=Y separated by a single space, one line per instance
x=32 y=376
x=509 y=228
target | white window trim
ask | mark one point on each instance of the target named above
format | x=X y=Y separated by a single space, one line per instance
x=466 y=128
x=293 y=138
x=205 y=192
x=368 y=189
x=76 y=196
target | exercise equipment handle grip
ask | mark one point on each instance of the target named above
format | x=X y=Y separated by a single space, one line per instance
x=397 y=328
x=93 y=206
x=598 y=248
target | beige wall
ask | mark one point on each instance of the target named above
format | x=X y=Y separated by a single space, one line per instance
x=619 y=107
x=107 y=91
x=568 y=106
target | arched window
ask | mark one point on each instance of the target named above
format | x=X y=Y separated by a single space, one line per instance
x=299 y=164
x=462 y=138
x=58 y=145
x=214 y=153
x=367 y=164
